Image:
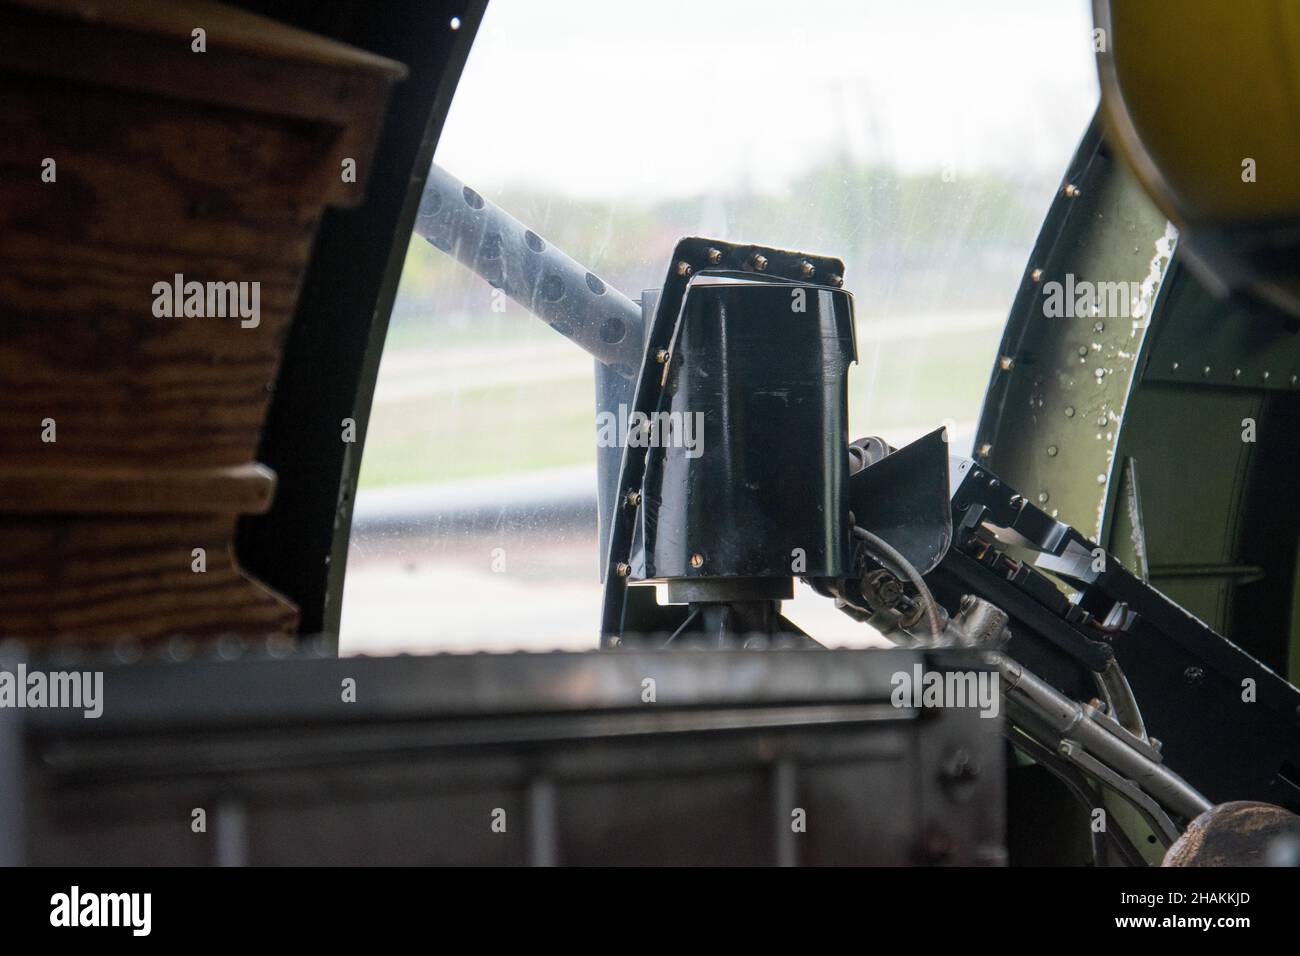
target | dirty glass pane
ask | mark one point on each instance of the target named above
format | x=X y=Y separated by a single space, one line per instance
x=921 y=142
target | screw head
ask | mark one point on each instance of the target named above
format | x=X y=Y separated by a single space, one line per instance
x=622 y=569
x=1073 y=191
x=697 y=560
x=683 y=268
x=835 y=280
x=1036 y=275
x=806 y=269
x=714 y=256
x=633 y=498
x=662 y=356
x=760 y=263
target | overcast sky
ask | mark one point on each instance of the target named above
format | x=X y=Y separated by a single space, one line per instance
x=626 y=99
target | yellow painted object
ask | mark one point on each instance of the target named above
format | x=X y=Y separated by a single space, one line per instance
x=1202 y=98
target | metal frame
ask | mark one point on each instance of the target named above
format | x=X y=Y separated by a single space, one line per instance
x=331 y=358
x=584 y=766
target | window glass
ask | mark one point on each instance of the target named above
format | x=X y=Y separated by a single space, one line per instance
x=921 y=142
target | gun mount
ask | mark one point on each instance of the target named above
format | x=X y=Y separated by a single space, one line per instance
x=734 y=475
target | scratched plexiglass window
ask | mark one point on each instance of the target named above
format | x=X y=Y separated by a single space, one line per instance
x=926 y=158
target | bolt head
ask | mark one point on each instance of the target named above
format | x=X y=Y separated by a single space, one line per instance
x=760 y=263
x=806 y=269
x=697 y=560
x=622 y=569
x=1036 y=275
x=715 y=256
x=683 y=268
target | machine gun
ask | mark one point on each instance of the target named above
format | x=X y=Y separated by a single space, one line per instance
x=734 y=475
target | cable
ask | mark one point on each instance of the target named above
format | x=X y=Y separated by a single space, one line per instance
x=893 y=556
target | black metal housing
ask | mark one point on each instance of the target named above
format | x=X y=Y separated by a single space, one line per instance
x=757 y=379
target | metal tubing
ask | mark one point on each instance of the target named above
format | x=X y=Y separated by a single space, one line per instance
x=1067 y=719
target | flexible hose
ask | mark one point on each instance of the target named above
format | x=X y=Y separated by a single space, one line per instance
x=890 y=554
